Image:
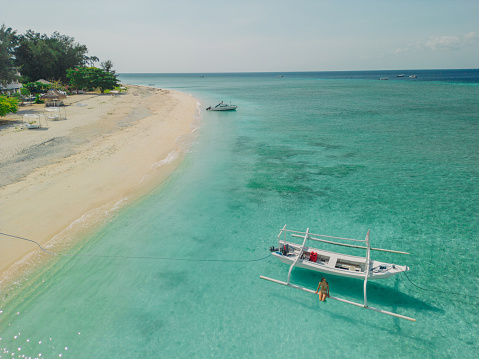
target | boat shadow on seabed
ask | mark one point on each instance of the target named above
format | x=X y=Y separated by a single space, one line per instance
x=378 y=293
x=336 y=315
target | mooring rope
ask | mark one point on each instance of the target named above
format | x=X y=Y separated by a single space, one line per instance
x=136 y=257
x=30 y=240
x=438 y=291
x=201 y=260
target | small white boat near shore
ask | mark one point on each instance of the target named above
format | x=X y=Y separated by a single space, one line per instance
x=222 y=107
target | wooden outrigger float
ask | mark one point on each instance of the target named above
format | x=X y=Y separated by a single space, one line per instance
x=334 y=263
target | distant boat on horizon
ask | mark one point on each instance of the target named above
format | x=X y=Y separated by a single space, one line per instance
x=413 y=76
x=401 y=75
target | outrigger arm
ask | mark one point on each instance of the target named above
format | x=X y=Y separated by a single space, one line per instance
x=339 y=299
x=299 y=255
x=366 y=274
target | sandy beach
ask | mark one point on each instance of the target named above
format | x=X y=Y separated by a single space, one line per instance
x=109 y=150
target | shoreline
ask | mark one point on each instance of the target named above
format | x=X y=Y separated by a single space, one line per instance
x=72 y=175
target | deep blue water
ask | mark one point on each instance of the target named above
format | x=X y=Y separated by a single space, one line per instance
x=334 y=152
x=457 y=76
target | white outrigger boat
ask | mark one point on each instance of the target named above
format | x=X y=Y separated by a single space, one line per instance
x=344 y=265
x=222 y=107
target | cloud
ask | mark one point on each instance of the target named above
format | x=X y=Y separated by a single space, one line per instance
x=400 y=50
x=471 y=38
x=440 y=43
x=443 y=43
x=449 y=42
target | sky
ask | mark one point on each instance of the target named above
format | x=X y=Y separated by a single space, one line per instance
x=188 y=36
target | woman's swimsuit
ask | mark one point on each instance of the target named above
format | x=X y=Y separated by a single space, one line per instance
x=324 y=288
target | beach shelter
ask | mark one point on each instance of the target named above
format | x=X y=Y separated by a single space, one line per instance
x=54 y=98
x=33 y=120
x=55 y=113
x=45 y=82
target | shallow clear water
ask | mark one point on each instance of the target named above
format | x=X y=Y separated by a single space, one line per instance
x=336 y=155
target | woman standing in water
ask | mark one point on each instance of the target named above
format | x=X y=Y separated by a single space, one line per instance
x=323 y=289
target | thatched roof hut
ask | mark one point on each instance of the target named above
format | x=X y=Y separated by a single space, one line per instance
x=54 y=98
x=51 y=94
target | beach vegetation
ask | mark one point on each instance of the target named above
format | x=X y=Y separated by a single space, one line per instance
x=118 y=89
x=37 y=87
x=79 y=77
x=25 y=92
x=107 y=66
x=8 y=105
x=58 y=58
x=8 y=41
x=48 y=57
x=91 y=60
x=92 y=78
x=38 y=100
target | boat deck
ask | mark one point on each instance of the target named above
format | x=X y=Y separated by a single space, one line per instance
x=336 y=263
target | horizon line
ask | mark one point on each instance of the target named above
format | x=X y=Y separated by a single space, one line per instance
x=300 y=71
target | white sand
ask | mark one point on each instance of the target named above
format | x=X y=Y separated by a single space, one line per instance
x=111 y=149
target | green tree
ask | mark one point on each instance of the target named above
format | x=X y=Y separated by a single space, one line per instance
x=107 y=66
x=92 y=77
x=90 y=60
x=25 y=92
x=80 y=77
x=8 y=41
x=7 y=105
x=104 y=80
x=36 y=87
x=40 y=56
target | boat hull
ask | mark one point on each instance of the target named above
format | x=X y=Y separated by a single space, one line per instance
x=225 y=108
x=342 y=265
x=222 y=107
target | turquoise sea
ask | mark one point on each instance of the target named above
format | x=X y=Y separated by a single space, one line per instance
x=339 y=153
